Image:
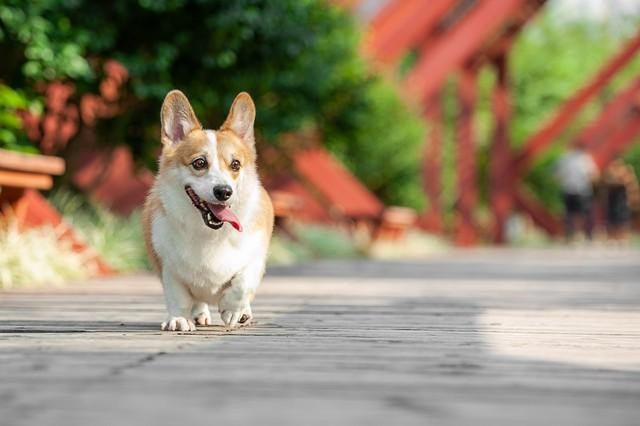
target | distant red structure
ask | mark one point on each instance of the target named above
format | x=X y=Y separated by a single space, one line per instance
x=112 y=178
x=309 y=184
x=459 y=37
x=448 y=37
x=344 y=195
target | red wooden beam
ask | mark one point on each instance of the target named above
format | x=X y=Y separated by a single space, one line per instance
x=545 y=136
x=501 y=179
x=324 y=173
x=504 y=41
x=384 y=22
x=613 y=113
x=406 y=23
x=465 y=232
x=432 y=165
x=538 y=212
x=456 y=46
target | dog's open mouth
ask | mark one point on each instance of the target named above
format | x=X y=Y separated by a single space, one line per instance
x=213 y=215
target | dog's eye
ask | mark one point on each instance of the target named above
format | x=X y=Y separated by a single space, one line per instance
x=199 y=163
x=235 y=165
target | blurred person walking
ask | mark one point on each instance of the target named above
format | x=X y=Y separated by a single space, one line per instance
x=621 y=196
x=576 y=173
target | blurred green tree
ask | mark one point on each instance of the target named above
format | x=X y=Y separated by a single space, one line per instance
x=298 y=59
x=11 y=135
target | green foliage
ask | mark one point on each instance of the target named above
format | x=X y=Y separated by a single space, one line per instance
x=632 y=157
x=33 y=49
x=313 y=242
x=326 y=241
x=284 y=251
x=11 y=135
x=298 y=59
x=38 y=38
x=381 y=141
x=549 y=63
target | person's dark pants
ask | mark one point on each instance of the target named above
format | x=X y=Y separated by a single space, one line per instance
x=618 y=212
x=577 y=206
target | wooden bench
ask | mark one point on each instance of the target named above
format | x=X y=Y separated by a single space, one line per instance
x=395 y=223
x=28 y=170
x=21 y=176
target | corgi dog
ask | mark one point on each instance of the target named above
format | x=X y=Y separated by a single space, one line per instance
x=207 y=219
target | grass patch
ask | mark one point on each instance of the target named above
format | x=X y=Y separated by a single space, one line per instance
x=284 y=251
x=118 y=239
x=312 y=242
x=327 y=242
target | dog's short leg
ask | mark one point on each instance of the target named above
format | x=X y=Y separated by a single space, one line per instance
x=179 y=304
x=235 y=303
x=201 y=314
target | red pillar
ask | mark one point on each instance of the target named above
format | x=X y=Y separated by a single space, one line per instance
x=432 y=165
x=465 y=230
x=500 y=164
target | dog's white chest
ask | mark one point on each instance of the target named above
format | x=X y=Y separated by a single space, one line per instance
x=202 y=258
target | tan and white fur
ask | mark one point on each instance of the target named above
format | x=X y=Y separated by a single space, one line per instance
x=201 y=267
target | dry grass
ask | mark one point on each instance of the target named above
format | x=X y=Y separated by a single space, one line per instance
x=36 y=257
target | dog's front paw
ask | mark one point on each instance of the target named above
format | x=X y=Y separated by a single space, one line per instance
x=201 y=314
x=237 y=318
x=203 y=318
x=234 y=307
x=178 y=324
x=234 y=311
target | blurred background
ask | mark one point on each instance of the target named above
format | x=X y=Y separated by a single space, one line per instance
x=386 y=128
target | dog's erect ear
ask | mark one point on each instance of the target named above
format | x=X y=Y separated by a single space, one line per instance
x=177 y=117
x=241 y=117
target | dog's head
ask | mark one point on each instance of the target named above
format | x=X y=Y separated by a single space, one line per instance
x=211 y=166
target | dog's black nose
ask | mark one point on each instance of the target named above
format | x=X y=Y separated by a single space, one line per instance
x=222 y=192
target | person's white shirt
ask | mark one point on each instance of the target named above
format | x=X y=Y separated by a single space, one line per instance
x=575 y=172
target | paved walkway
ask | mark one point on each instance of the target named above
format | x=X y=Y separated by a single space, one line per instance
x=483 y=338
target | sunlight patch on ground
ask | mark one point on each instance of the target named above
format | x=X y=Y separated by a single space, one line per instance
x=593 y=338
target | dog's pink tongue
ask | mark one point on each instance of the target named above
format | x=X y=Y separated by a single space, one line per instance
x=226 y=215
